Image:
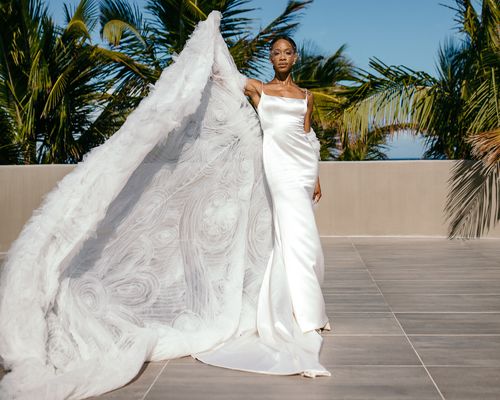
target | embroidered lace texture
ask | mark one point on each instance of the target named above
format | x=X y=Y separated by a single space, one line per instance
x=154 y=247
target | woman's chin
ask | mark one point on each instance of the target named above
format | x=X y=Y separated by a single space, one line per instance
x=282 y=69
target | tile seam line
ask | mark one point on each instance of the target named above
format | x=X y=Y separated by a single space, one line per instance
x=416 y=312
x=434 y=280
x=482 y=335
x=397 y=321
x=406 y=237
x=154 y=381
x=415 y=366
x=419 y=293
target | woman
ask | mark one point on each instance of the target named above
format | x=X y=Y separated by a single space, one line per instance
x=159 y=245
x=291 y=165
x=290 y=303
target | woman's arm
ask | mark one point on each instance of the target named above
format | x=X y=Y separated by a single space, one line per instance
x=317 y=191
x=307 y=129
x=253 y=89
x=307 y=117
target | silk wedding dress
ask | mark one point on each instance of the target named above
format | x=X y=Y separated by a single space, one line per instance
x=188 y=232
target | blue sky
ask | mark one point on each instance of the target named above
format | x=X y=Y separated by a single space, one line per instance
x=406 y=32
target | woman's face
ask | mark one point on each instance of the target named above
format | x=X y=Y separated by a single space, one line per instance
x=283 y=56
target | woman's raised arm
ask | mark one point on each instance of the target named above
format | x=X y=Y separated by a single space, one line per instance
x=252 y=90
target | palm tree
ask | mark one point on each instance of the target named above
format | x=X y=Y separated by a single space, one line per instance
x=156 y=41
x=457 y=112
x=329 y=78
x=52 y=80
x=474 y=200
x=82 y=92
x=61 y=95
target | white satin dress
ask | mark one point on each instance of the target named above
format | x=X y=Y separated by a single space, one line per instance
x=290 y=304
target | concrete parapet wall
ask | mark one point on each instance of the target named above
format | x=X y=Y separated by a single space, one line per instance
x=360 y=198
x=385 y=198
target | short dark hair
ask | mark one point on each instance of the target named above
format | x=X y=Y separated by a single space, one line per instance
x=284 y=37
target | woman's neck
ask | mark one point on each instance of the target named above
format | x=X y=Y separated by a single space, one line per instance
x=283 y=79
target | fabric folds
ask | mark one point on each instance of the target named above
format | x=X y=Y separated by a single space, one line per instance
x=154 y=247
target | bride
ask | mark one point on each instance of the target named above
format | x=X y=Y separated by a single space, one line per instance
x=189 y=232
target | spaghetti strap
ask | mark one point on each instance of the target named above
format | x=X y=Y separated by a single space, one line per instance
x=307 y=96
x=262 y=89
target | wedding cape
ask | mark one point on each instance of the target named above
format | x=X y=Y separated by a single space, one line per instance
x=155 y=245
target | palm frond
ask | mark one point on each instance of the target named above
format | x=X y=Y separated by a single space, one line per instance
x=473 y=202
x=482 y=106
x=490 y=18
x=235 y=23
x=119 y=17
x=466 y=18
x=82 y=20
x=397 y=96
x=251 y=53
x=486 y=146
x=114 y=29
x=193 y=8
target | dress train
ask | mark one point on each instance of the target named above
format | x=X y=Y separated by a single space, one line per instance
x=156 y=246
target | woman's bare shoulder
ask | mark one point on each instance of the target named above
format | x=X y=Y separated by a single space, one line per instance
x=304 y=91
x=253 y=85
x=309 y=94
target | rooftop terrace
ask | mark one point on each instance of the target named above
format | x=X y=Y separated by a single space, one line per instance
x=414 y=315
x=412 y=318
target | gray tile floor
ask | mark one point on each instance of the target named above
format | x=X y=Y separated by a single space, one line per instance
x=412 y=318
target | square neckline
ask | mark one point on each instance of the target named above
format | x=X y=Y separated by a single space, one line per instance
x=284 y=97
x=281 y=97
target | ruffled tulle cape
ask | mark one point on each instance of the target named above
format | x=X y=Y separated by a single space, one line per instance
x=153 y=247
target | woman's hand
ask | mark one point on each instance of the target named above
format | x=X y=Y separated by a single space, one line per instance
x=317 y=191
